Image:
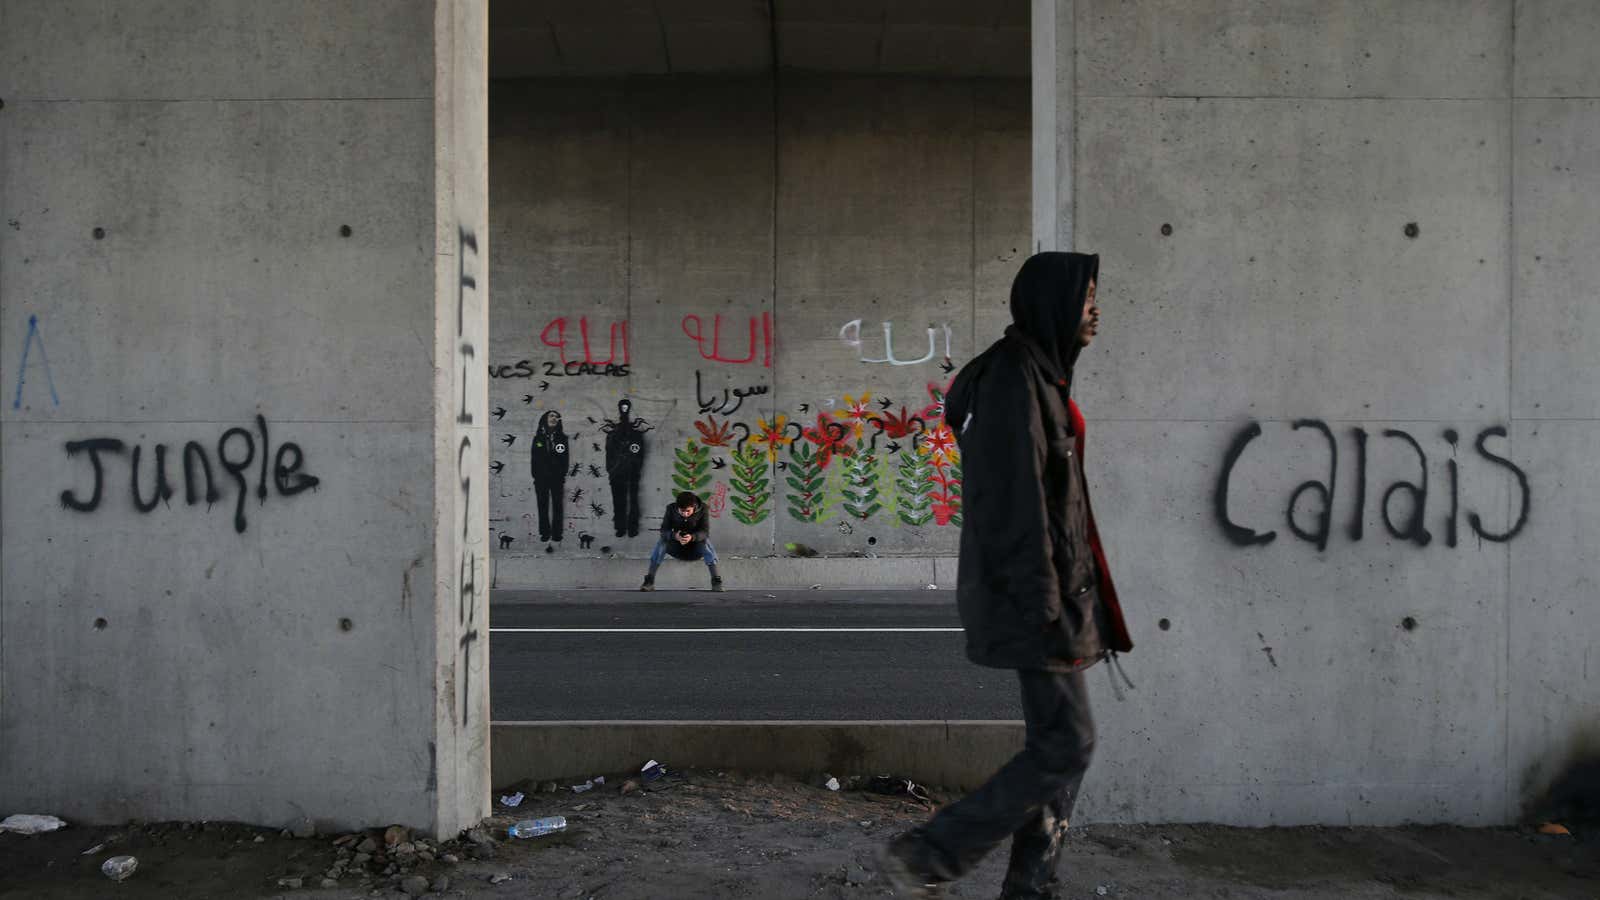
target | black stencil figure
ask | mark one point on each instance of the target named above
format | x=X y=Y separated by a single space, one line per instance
x=577 y=495
x=593 y=469
x=576 y=468
x=549 y=464
x=585 y=540
x=625 y=446
x=505 y=541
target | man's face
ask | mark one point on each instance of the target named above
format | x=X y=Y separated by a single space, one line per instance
x=686 y=511
x=1090 y=326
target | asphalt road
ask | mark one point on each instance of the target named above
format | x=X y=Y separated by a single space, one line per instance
x=806 y=655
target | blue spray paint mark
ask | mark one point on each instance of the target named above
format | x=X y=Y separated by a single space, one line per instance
x=22 y=370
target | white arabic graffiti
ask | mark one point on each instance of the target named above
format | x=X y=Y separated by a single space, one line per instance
x=851 y=335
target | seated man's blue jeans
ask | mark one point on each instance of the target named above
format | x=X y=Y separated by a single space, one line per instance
x=707 y=554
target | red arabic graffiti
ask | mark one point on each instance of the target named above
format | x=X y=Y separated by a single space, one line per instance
x=619 y=334
x=760 y=339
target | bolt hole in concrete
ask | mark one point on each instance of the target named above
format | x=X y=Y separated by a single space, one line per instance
x=344 y=231
x=346 y=624
x=1412 y=230
x=1166 y=229
x=1165 y=624
x=1408 y=623
x=99 y=233
x=100 y=624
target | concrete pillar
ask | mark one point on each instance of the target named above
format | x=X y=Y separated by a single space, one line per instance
x=243 y=294
x=1054 y=84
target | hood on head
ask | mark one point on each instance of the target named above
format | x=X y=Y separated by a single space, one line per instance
x=1047 y=301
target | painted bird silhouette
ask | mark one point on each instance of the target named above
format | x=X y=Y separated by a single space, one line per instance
x=947 y=365
x=805 y=407
x=509 y=439
x=885 y=402
x=527 y=398
x=719 y=463
x=544 y=385
x=499 y=412
x=496 y=466
x=894 y=447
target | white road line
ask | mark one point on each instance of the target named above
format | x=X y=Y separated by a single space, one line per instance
x=849 y=630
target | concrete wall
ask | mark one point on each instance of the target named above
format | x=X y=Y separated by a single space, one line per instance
x=1375 y=218
x=659 y=209
x=229 y=223
x=1250 y=171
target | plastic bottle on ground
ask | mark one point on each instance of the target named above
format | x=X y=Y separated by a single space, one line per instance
x=531 y=828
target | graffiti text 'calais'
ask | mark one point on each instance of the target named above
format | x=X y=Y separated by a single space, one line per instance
x=1413 y=528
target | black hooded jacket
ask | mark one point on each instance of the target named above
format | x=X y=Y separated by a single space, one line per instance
x=550 y=452
x=1029 y=579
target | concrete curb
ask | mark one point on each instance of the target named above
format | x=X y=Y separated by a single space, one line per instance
x=953 y=754
x=523 y=572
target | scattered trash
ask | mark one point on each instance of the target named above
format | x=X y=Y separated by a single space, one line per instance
x=1102 y=890
x=260 y=839
x=346 y=841
x=599 y=779
x=931 y=587
x=816 y=587
x=499 y=878
x=770 y=596
x=22 y=823
x=831 y=784
x=512 y=800
x=801 y=550
x=866 y=823
x=894 y=785
x=532 y=828
x=549 y=787
x=302 y=828
x=293 y=883
x=396 y=834
x=367 y=845
x=586 y=786
x=652 y=770
x=1554 y=828
x=93 y=850
x=628 y=787
x=118 y=868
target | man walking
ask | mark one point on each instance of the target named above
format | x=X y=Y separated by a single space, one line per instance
x=685 y=534
x=1034 y=591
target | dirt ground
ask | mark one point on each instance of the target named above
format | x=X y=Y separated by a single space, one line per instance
x=724 y=835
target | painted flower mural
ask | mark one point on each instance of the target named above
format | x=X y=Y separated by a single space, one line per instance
x=772 y=436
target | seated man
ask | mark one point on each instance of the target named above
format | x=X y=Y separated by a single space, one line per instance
x=686 y=534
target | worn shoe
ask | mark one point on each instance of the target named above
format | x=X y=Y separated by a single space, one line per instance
x=649 y=585
x=897 y=870
x=716 y=584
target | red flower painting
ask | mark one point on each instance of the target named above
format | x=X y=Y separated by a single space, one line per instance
x=714 y=433
x=830 y=437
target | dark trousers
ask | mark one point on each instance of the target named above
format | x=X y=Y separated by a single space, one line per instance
x=1029 y=800
x=549 y=496
x=625 y=504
